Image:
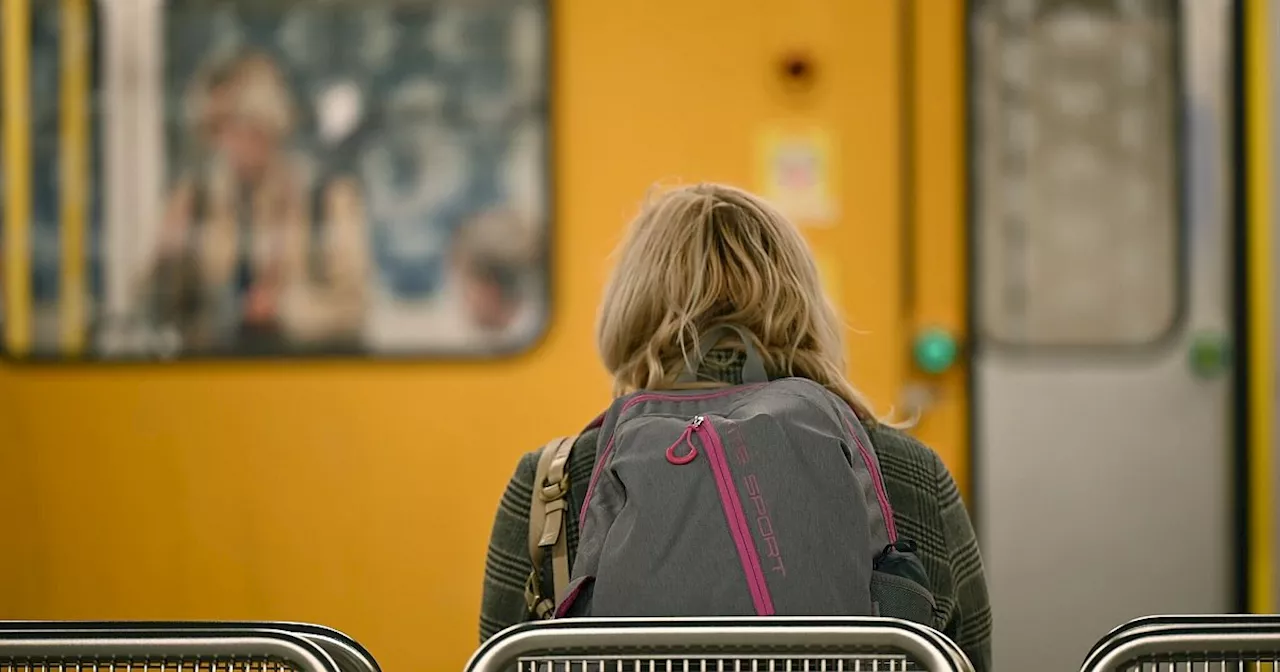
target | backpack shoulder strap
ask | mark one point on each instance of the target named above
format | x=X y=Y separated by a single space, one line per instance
x=547 y=526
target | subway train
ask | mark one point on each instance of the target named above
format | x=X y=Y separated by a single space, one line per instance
x=1047 y=223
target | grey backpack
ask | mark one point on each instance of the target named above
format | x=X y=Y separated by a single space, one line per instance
x=759 y=499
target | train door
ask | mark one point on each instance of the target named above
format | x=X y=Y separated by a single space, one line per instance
x=1102 y=187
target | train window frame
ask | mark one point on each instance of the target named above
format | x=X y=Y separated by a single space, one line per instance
x=132 y=44
x=979 y=319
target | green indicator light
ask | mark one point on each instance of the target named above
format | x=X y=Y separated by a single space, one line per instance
x=934 y=351
x=1210 y=355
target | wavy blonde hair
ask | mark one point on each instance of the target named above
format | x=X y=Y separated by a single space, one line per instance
x=704 y=255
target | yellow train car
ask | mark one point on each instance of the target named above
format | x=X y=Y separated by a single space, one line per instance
x=1116 y=458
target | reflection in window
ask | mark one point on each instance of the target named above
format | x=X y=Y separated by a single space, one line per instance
x=1075 y=171
x=365 y=176
x=51 y=140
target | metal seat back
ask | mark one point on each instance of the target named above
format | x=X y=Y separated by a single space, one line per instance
x=349 y=654
x=1189 y=642
x=94 y=647
x=719 y=645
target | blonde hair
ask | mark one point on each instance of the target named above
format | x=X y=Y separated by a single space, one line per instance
x=700 y=256
x=255 y=90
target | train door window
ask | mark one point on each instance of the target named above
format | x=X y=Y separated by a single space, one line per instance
x=353 y=177
x=51 y=286
x=1075 y=173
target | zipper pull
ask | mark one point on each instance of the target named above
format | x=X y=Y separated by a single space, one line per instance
x=686 y=439
x=697 y=422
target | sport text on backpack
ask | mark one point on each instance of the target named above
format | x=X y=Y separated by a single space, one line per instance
x=758 y=499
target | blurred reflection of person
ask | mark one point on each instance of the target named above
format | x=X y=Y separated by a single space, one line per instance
x=251 y=259
x=495 y=268
x=491 y=299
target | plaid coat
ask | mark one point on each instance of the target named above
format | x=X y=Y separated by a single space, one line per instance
x=926 y=506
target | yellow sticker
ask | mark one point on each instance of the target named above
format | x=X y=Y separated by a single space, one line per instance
x=829 y=272
x=796 y=168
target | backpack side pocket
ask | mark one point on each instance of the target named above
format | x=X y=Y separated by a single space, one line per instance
x=900 y=586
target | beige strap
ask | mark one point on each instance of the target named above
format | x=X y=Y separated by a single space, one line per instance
x=547 y=509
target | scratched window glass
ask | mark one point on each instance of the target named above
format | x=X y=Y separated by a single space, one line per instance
x=47 y=299
x=349 y=177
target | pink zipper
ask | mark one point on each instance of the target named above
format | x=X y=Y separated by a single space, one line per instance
x=876 y=482
x=736 y=517
x=604 y=455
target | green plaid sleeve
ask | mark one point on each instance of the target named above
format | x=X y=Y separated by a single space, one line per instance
x=970 y=622
x=507 y=564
